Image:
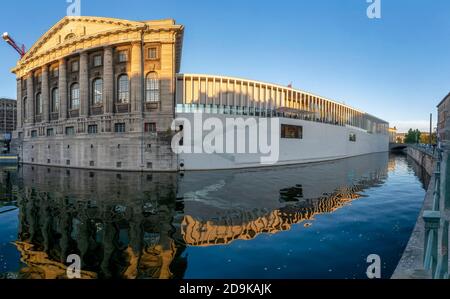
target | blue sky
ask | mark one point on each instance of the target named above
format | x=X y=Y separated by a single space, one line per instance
x=395 y=67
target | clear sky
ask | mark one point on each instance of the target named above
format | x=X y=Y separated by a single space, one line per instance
x=396 y=67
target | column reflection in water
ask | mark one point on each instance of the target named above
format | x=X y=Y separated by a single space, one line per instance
x=132 y=225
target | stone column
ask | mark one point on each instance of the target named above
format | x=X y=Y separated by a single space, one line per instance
x=45 y=96
x=30 y=99
x=108 y=80
x=19 y=103
x=84 y=84
x=62 y=88
x=136 y=77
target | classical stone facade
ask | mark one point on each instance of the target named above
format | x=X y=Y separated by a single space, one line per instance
x=99 y=93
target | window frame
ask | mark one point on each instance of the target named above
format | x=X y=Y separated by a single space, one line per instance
x=298 y=135
x=122 y=127
x=38 y=104
x=92 y=132
x=152 y=88
x=72 y=63
x=120 y=92
x=156 y=52
x=121 y=54
x=97 y=99
x=95 y=62
x=72 y=96
x=53 y=101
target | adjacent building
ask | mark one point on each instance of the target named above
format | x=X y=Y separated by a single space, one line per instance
x=443 y=114
x=8 y=116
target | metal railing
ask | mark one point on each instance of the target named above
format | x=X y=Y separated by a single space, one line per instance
x=436 y=229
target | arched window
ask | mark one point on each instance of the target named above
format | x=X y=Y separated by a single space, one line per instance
x=38 y=104
x=123 y=89
x=24 y=108
x=75 y=96
x=55 y=100
x=152 y=92
x=97 y=90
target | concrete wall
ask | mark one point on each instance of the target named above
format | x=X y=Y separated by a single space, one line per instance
x=423 y=159
x=320 y=142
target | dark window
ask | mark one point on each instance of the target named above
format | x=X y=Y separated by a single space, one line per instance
x=50 y=132
x=55 y=100
x=352 y=137
x=25 y=108
x=91 y=163
x=68 y=163
x=33 y=134
x=291 y=132
x=149 y=165
x=38 y=104
x=70 y=131
x=119 y=128
x=119 y=164
x=123 y=56
x=150 y=127
x=92 y=129
x=97 y=60
x=97 y=89
x=152 y=53
x=152 y=92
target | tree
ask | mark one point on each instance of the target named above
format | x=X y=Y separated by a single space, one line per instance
x=413 y=136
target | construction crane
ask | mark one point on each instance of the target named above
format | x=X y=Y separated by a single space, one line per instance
x=12 y=43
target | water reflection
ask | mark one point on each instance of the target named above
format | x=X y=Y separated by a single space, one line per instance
x=128 y=225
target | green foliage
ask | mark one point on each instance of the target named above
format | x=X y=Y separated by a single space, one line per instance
x=413 y=136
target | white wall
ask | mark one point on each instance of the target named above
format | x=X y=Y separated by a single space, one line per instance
x=321 y=142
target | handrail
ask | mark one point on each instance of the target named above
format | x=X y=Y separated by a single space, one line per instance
x=435 y=252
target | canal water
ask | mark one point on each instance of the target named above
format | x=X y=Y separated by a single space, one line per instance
x=312 y=221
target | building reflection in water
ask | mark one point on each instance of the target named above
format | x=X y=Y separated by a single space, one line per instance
x=130 y=225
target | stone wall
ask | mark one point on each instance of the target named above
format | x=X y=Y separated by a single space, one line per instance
x=422 y=158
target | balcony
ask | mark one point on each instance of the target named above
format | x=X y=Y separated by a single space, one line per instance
x=151 y=106
x=97 y=110
x=74 y=113
x=122 y=108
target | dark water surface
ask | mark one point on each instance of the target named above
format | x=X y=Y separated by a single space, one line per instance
x=312 y=221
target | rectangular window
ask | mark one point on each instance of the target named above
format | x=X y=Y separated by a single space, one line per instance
x=97 y=60
x=50 y=132
x=33 y=134
x=55 y=72
x=352 y=137
x=123 y=56
x=92 y=129
x=291 y=132
x=150 y=127
x=70 y=131
x=119 y=127
x=152 y=53
x=74 y=66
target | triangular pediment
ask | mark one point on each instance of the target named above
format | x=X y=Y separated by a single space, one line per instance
x=72 y=28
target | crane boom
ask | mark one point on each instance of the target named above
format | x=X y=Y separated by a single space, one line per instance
x=12 y=43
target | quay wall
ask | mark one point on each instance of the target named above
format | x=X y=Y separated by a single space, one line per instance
x=411 y=262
